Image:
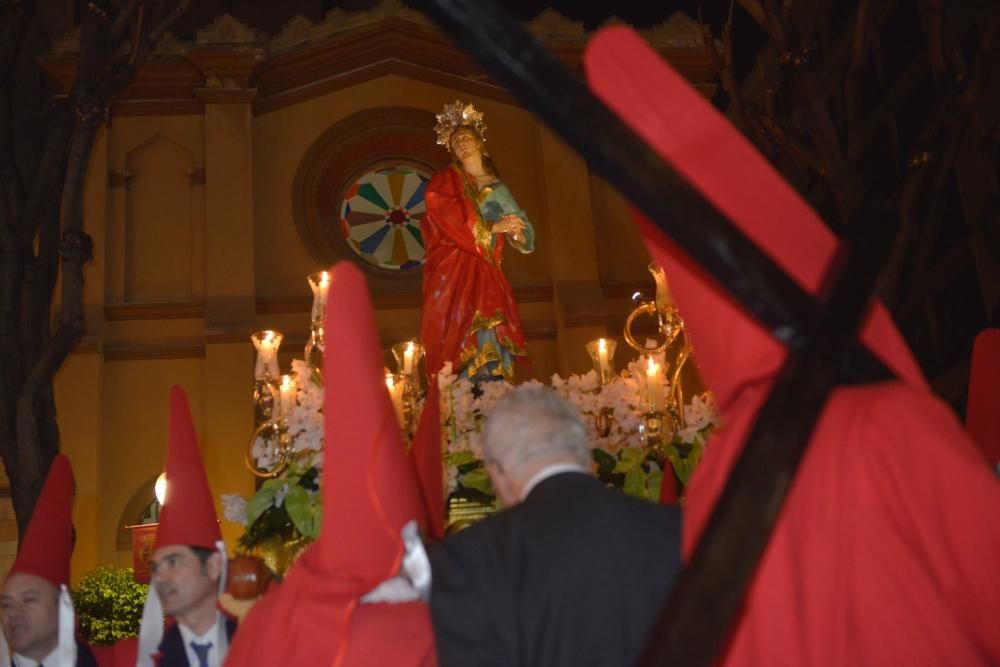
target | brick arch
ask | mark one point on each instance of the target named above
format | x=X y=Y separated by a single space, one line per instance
x=360 y=142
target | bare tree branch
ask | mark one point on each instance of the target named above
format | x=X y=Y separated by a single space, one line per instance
x=124 y=19
x=159 y=30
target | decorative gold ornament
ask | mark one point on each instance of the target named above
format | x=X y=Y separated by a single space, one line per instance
x=280 y=553
x=671 y=328
x=456 y=115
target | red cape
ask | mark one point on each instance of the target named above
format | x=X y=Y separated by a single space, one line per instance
x=887 y=551
x=370 y=491
x=463 y=280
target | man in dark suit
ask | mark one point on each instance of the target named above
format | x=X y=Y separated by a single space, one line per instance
x=186 y=579
x=572 y=573
x=188 y=567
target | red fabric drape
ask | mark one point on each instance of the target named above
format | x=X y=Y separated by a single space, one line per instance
x=887 y=550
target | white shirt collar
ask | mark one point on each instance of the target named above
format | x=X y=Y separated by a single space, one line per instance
x=47 y=661
x=549 y=471
x=210 y=636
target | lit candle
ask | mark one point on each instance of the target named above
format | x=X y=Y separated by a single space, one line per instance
x=287 y=394
x=396 y=394
x=267 y=344
x=320 y=284
x=324 y=286
x=408 y=359
x=602 y=356
x=652 y=381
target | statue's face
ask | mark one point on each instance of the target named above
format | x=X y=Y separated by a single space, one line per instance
x=464 y=144
x=30 y=613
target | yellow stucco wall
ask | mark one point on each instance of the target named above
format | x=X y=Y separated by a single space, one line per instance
x=166 y=235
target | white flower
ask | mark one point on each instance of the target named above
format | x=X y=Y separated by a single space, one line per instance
x=263 y=453
x=234 y=508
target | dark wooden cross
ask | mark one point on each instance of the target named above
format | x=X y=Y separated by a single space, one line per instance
x=821 y=334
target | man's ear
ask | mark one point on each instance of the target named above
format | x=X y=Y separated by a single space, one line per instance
x=213 y=566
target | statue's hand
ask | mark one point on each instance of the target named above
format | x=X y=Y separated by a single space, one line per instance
x=509 y=224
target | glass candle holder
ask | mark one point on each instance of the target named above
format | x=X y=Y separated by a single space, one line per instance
x=602 y=354
x=319 y=283
x=266 y=343
x=286 y=394
x=408 y=355
x=395 y=385
x=653 y=385
x=266 y=370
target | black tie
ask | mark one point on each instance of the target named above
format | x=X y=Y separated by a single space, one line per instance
x=201 y=650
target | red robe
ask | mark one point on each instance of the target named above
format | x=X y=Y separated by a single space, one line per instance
x=887 y=550
x=464 y=289
x=370 y=490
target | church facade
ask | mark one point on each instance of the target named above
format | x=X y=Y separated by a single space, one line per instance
x=223 y=177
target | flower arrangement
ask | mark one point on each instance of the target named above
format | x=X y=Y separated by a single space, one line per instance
x=623 y=457
x=288 y=507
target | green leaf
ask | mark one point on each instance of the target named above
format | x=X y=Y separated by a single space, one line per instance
x=635 y=482
x=301 y=510
x=654 y=481
x=263 y=499
x=684 y=467
x=459 y=458
x=479 y=480
x=605 y=462
x=629 y=458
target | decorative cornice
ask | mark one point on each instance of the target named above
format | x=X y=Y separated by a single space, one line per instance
x=226 y=95
x=307 y=59
x=551 y=25
x=290 y=305
x=679 y=30
x=227 y=69
x=121 y=312
x=227 y=30
x=154 y=352
x=170 y=45
x=300 y=30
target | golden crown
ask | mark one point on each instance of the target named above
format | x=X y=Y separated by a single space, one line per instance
x=456 y=115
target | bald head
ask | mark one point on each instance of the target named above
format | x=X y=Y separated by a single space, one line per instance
x=29 y=610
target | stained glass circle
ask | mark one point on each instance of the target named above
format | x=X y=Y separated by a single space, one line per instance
x=380 y=217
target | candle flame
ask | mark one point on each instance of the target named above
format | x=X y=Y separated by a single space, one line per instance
x=324 y=279
x=602 y=345
x=286 y=382
x=409 y=347
x=390 y=382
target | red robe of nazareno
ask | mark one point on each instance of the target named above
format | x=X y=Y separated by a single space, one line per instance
x=464 y=288
x=887 y=549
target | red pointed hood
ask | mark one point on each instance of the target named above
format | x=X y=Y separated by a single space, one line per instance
x=717 y=161
x=369 y=492
x=369 y=489
x=47 y=546
x=426 y=455
x=188 y=515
